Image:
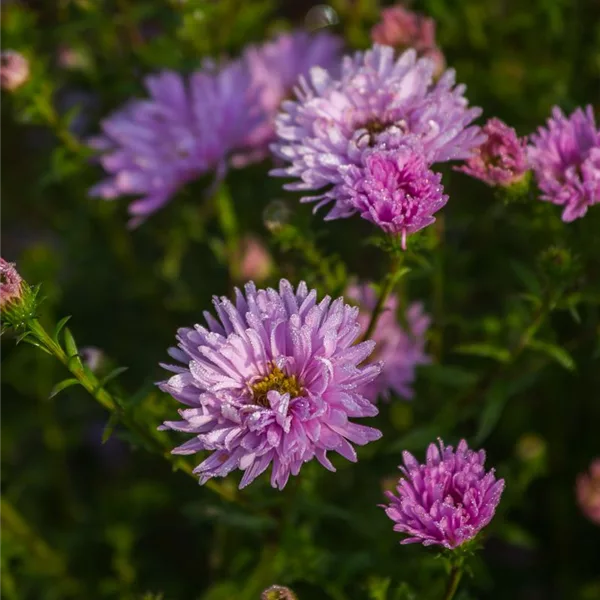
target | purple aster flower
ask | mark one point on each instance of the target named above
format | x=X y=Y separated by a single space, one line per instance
x=275 y=68
x=379 y=102
x=446 y=501
x=588 y=492
x=400 y=351
x=274 y=381
x=11 y=283
x=394 y=189
x=14 y=70
x=153 y=147
x=502 y=159
x=565 y=157
x=402 y=29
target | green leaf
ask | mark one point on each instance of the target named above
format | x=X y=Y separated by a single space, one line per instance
x=112 y=375
x=527 y=277
x=37 y=344
x=486 y=350
x=110 y=427
x=70 y=345
x=494 y=405
x=560 y=355
x=59 y=327
x=59 y=387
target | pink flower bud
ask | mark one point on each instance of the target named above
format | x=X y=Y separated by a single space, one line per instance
x=588 y=492
x=14 y=70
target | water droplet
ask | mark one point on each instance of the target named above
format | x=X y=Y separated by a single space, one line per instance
x=276 y=214
x=320 y=16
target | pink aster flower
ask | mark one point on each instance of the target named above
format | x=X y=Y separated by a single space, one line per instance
x=394 y=189
x=274 y=381
x=14 y=70
x=153 y=147
x=11 y=283
x=565 y=157
x=502 y=159
x=379 y=102
x=448 y=500
x=588 y=492
x=400 y=351
x=275 y=68
x=402 y=29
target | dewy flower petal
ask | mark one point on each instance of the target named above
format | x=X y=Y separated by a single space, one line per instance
x=395 y=190
x=565 y=157
x=446 y=501
x=502 y=159
x=275 y=68
x=153 y=147
x=378 y=102
x=400 y=351
x=273 y=381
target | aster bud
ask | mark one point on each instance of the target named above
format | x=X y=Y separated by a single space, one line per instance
x=18 y=301
x=256 y=263
x=14 y=70
x=278 y=592
x=588 y=492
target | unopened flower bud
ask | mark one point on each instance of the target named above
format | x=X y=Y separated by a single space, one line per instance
x=14 y=70
x=278 y=592
x=17 y=300
x=256 y=263
x=588 y=492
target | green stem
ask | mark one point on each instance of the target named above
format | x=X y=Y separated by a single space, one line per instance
x=453 y=581
x=89 y=381
x=386 y=288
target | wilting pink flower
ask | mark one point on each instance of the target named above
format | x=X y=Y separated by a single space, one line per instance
x=446 y=501
x=153 y=147
x=402 y=29
x=274 y=381
x=14 y=70
x=565 y=157
x=275 y=68
x=400 y=351
x=502 y=159
x=588 y=492
x=256 y=263
x=378 y=103
x=11 y=283
x=395 y=190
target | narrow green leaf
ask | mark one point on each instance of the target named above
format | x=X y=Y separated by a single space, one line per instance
x=37 y=344
x=560 y=355
x=112 y=375
x=110 y=427
x=494 y=405
x=59 y=387
x=487 y=350
x=59 y=328
x=70 y=345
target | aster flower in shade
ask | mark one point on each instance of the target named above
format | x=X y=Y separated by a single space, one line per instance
x=153 y=147
x=588 y=492
x=14 y=70
x=565 y=157
x=11 y=283
x=502 y=159
x=446 y=501
x=394 y=189
x=402 y=29
x=273 y=381
x=379 y=102
x=400 y=351
x=275 y=68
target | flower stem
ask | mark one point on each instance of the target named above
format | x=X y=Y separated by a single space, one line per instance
x=90 y=382
x=453 y=581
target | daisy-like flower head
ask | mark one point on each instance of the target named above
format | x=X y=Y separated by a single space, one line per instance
x=153 y=147
x=400 y=351
x=565 y=157
x=394 y=189
x=588 y=492
x=274 y=381
x=448 y=500
x=275 y=68
x=402 y=28
x=378 y=102
x=502 y=159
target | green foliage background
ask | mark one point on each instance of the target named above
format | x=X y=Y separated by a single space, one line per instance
x=513 y=291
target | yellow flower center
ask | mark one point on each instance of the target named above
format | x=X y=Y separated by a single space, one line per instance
x=278 y=381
